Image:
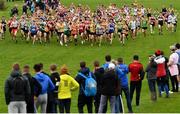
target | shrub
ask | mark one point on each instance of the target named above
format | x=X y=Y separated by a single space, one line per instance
x=2 y=4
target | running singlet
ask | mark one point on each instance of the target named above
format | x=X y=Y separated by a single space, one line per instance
x=160 y=20
x=133 y=25
x=81 y=27
x=33 y=29
x=111 y=27
x=14 y=24
x=144 y=23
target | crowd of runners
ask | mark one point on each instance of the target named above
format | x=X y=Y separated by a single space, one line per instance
x=106 y=82
x=41 y=20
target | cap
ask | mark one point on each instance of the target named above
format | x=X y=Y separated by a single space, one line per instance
x=111 y=66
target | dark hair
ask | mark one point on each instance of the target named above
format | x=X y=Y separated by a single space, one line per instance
x=41 y=65
x=53 y=67
x=37 y=67
x=26 y=67
x=108 y=58
x=136 y=57
x=82 y=64
x=120 y=60
x=177 y=46
x=96 y=63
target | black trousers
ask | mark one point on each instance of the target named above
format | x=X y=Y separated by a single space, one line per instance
x=135 y=85
x=30 y=105
x=175 y=84
x=64 y=104
x=82 y=101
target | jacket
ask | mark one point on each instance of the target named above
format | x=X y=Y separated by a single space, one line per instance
x=161 y=66
x=45 y=82
x=110 y=84
x=135 y=68
x=81 y=80
x=151 y=70
x=123 y=76
x=9 y=88
x=98 y=73
x=34 y=85
x=66 y=85
x=55 y=78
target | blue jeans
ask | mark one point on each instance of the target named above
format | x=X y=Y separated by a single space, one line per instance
x=103 y=103
x=128 y=100
x=162 y=84
x=118 y=105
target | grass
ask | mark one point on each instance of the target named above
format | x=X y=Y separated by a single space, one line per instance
x=52 y=53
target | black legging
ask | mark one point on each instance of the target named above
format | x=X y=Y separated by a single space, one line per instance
x=64 y=104
x=175 y=84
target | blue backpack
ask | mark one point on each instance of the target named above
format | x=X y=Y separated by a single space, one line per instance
x=90 y=88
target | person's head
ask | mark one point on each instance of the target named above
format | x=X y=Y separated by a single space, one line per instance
x=53 y=67
x=158 y=52
x=16 y=67
x=172 y=48
x=64 y=70
x=41 y=65
x=177 y=46
x=108 y=58
x=136 y=57
x=96 y=64
x=82 y=64
x=120 y=60
x=26 y=69
x=111 y=66
x=37 y=67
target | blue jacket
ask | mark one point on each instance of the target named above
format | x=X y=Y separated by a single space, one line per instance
x=45 y=82
x=123 y=76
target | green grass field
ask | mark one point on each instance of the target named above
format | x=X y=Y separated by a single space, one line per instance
x=52 y=53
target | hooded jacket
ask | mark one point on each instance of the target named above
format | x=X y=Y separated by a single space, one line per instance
x=45 y=81
x=9 y=89
x=81 y=80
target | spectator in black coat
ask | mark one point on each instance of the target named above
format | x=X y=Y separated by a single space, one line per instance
x=35 y=89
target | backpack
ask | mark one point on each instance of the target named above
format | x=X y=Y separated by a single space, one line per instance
x=90 y=88
x=18 y=85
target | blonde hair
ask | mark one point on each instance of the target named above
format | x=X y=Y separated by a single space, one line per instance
x=64 y=70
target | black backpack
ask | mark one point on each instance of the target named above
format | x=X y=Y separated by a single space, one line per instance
x=18 y=85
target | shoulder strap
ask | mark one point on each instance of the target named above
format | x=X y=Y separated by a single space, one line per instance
x=81 y=74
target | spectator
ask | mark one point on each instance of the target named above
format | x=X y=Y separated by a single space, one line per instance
x=46 y=84
x=14 y=11
x=124 y=82
x=17 y=91
x=137 y=75
x=151 y=77
x=82 y=98
x=161 y=73
x=53 y=96
x=173 y=68
x=24 y=9
x=110 y=88
x=108 y=60
x=66 y=85
x=178 y=52
x=35 y=89
x=98 y=73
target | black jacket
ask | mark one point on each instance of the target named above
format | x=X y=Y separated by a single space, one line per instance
x=34 y=84
x=98 y=73
x=110 y=84
x=9 y=89
x=55 y=78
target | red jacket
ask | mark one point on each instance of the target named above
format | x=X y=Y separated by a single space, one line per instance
x=135 y=68
x=161 y=69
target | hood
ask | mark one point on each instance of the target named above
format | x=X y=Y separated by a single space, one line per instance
x=159 y=59
x=15 y=73
x=40 y=77
x=85 y=71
